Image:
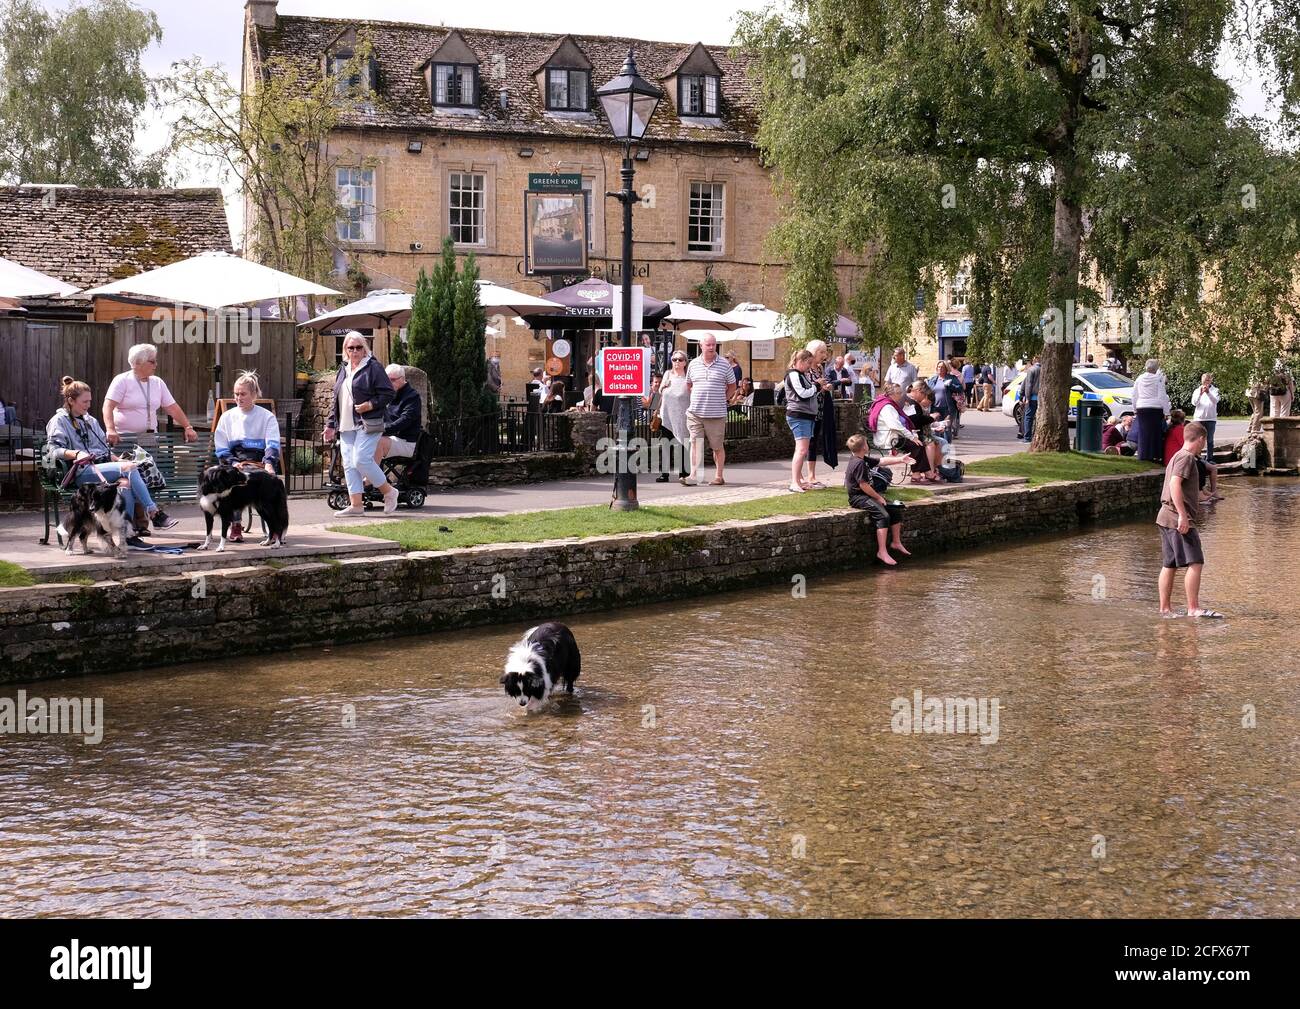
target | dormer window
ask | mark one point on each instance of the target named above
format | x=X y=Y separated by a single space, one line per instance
x=697 y=94
x=359 y=78
x=352 y=76
x=455 y=84
x=568 y=90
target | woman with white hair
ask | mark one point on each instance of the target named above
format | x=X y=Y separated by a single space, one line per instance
x=1151 y=404
x=133 y=399
x=362 y=393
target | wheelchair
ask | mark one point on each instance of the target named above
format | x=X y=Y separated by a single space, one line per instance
x=410 y=475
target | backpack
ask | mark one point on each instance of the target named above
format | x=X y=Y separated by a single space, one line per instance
x=880 y=477
x=778 y=397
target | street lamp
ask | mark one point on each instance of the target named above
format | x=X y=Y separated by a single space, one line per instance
x=629 y=101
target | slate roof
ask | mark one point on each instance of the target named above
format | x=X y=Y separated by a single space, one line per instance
x=402 y=100
x=89 y=237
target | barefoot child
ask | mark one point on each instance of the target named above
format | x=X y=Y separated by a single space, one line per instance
x=1180 y=511
x=865 y=481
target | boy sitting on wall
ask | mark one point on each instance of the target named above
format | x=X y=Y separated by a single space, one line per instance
x=866 y=482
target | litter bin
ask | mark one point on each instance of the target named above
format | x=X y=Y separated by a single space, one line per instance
x=1087 y=425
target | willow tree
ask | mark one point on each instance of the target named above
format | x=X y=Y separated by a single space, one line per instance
x=1054 y=149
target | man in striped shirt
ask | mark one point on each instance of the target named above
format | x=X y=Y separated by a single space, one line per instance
x=712 y=383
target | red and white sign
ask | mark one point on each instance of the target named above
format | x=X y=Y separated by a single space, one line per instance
x=625 y=371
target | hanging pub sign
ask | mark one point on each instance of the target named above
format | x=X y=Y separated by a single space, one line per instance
x=554 y=182
x=555 y=224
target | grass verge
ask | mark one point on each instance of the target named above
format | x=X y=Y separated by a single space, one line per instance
x=12 y=576
x=563 y=523
x=1047 y=467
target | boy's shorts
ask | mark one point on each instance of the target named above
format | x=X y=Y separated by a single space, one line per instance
x=1180 y=550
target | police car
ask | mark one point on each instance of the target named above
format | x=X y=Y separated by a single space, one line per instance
x=1113 y=389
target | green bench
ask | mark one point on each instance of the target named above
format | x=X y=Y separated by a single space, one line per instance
x=180 y=462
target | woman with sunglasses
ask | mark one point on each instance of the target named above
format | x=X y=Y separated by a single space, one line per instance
x=362 y=393
x=674 y=400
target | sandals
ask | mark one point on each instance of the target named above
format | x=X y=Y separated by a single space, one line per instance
x=793 y=488
x=717 y=483
x=1207 y=614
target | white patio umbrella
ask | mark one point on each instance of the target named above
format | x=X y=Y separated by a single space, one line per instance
x=212 y=280
x=494 y=296
x=687 y=316
x=18 y=281
x=377 y=310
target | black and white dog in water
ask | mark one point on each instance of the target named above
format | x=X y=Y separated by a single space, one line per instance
x=227 y=490
x=543 y=659
x=96 y=508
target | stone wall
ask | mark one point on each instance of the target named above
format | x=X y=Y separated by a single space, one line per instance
x=62 y=630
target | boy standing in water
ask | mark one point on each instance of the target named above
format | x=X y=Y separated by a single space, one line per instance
x=1180 y=512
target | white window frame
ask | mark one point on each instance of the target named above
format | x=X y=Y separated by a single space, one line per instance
x=716 y=221
x=959 y=291
x=443 y=74
x=697 y=92
x=456 y=185
x=357 y=203
x=589 y=187
x=583 y=90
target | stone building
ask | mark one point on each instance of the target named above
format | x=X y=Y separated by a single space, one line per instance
x=87 y=237
x=461 y=117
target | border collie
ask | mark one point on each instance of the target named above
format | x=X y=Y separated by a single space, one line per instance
x=96 y=508
x=539 y=663
x=227 y=490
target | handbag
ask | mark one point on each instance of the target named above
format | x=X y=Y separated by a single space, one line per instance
x=149 y=471
x=656 y=422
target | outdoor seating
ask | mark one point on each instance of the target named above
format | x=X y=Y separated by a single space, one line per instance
x=180 y=462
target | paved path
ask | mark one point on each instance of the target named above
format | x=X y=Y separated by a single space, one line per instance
x=984 y=435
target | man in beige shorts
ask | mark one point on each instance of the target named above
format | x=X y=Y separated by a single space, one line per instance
x=712 y=383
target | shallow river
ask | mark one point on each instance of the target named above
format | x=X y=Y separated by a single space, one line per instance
x=727 y=756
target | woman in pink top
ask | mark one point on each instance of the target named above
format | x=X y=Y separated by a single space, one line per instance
x=133 y=398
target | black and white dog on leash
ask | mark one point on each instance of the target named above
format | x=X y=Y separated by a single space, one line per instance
x=96 y=508
x=227 y=490
x=539 y=663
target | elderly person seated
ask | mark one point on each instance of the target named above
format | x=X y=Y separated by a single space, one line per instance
x=1114 y=436
x=893 y=433
x=403 y=420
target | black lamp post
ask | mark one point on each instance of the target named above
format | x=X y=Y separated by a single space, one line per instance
x=629 y=101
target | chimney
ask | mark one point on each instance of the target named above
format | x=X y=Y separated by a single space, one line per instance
x=262 y=12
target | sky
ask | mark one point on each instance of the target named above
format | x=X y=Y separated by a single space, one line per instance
x=212 y=29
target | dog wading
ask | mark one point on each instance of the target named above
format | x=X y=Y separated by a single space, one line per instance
x=541 y=661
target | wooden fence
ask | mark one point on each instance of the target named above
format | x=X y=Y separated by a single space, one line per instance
x=34 y=355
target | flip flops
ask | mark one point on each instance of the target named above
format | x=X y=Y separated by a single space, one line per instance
x=1206 y=614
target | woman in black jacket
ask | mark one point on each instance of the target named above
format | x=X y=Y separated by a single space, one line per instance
x=362 y=393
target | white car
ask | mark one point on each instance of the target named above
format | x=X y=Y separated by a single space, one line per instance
x=1113 y=389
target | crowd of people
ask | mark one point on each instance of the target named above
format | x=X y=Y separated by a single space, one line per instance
x=375 y=414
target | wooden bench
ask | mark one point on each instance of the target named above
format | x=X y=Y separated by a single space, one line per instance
x=180 y=462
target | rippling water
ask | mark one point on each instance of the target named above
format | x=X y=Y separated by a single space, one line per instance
x=728 y=756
